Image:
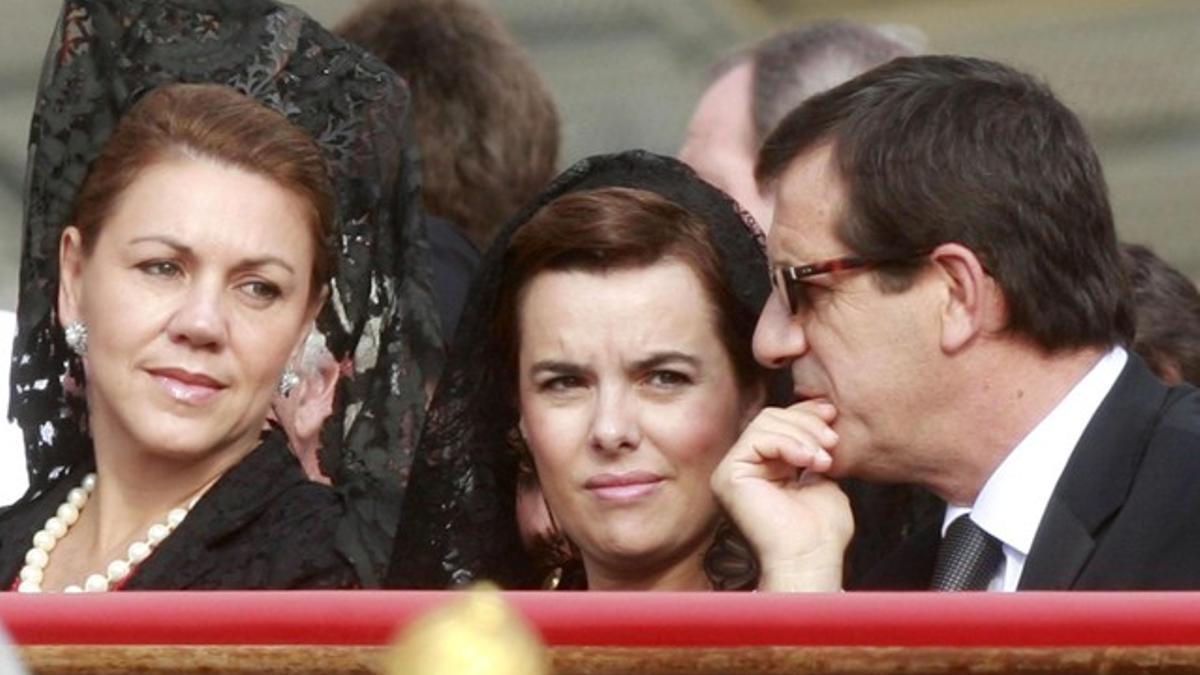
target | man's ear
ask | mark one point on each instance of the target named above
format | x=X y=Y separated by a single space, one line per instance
x=70 y=276
x=973 y=304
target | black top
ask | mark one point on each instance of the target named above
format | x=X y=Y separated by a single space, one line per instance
x=263 y=525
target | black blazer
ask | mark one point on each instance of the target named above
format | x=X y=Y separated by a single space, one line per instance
x=1125 y=514
x=262 y=525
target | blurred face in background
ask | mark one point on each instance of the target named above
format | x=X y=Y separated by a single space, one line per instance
x=721 y=144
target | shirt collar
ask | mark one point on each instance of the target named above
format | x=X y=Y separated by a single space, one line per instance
x=1014 y=498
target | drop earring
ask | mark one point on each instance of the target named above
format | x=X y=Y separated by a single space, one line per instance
x=287 y=382
x=76 y=334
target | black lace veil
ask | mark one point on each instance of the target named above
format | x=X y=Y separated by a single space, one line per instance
x=458 y=523
x=380 y=322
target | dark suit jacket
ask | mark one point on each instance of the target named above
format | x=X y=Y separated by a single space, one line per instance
x=453 y=262
x=262 y=525
x=1125 y=514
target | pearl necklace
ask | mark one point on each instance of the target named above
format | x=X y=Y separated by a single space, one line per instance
x=44 y=541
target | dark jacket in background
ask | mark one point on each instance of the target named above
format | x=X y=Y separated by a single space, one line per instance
x=454 y=260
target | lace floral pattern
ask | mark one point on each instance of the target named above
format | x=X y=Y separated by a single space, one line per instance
x=380 y=321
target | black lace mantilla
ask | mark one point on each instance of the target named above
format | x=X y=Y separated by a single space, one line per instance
x=458 y=522
x=380 y=321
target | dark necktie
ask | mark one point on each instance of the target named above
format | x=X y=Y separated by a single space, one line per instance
x=967 y=558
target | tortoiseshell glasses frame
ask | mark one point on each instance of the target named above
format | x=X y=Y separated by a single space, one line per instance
x=789 y=279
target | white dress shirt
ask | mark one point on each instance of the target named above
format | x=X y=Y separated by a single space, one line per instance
x=1014 y=498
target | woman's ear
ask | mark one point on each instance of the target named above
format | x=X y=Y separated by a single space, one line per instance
x=315 y=395
x=315 y=305
x=70 y=276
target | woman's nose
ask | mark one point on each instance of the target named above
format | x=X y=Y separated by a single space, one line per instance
x=199 y=320
x=615 y=424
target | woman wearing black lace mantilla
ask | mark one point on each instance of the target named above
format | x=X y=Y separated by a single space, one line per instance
x=606 y=354
x=180 y=240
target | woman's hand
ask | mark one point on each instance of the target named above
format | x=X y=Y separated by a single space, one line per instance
x=772 y=484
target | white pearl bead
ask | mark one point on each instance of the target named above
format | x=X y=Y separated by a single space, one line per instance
x=32 y=574
x=139 y=551
x=157 y=533
x=175 y=517
x=29 y=587
x=117 y=570
x=72 y=589
x=95 y=583
x=44 y=541
x=89 y=482
x=56 y=527
x=68 y=514
x=77 y=497
x=36 y=557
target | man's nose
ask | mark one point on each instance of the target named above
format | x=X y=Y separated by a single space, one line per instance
x=779 y=339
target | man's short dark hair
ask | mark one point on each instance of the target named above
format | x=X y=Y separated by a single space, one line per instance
x=937 y=149
x=486 y=124
x=1168 y=314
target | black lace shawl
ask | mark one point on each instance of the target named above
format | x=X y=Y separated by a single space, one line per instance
x=380 y=321
x=458 y=523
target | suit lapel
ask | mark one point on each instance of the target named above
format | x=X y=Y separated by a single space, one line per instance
x=1096 y=480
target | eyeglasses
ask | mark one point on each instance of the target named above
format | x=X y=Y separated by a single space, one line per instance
x=789 y=280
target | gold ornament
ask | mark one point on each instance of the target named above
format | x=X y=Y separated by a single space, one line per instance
x=478 y=634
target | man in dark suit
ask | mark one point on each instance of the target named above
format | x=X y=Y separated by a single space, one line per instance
x=951 y=304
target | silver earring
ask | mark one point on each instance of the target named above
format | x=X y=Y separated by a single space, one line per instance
x=76 y=334
x=288 y=382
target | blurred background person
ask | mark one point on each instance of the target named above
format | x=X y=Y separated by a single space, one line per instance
x=486 y=124
x=1167 y=311
x=610 y=351
x=752 y=90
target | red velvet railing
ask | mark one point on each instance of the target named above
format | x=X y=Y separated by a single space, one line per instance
x=627 y=620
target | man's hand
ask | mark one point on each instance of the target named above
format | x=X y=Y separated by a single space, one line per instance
x=772 y=484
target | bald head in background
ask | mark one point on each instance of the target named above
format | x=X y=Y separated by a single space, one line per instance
x=753 y=90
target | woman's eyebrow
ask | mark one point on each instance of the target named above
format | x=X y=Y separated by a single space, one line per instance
x=666 y=357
